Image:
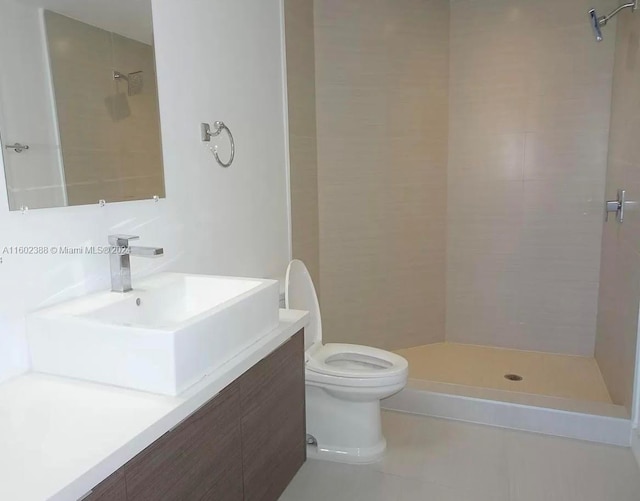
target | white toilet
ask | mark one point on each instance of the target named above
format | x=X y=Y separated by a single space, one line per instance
x=344 y=384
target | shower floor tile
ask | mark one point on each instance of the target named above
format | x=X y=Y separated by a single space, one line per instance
x=548 y=374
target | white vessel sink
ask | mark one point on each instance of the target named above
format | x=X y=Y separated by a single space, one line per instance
x=163 y=336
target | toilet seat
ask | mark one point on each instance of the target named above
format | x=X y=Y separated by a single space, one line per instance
x=356 y=361
x=337 y=363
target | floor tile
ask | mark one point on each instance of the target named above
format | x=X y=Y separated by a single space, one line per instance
x=448 y=453
x=558 y=469
x=321 y=481
x=325 y=481
x=431 y=459
x=432 y=491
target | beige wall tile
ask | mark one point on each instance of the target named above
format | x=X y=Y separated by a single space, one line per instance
x=620 y=266
x=304 y=202
x=529 y=121
x=301 y=88
x=482 y=157
x=75 y=41
x=131 y=55
x=382 y=118
x=562 y=154
x=468 y=132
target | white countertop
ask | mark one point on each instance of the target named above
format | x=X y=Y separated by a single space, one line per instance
x=60 y=437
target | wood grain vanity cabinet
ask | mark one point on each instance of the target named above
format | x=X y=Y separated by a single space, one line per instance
x=245 y=444
x=111 y=489
x=199 y=459
x=273 y=422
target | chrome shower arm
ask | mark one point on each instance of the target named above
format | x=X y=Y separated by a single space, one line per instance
x=597 y=22
x=603 y=20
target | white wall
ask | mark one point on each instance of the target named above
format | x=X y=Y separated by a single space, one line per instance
x=216 y=60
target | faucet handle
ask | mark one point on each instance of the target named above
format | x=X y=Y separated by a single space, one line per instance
x=121 y=240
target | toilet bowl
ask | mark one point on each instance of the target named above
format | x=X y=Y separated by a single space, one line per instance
x=344 y=384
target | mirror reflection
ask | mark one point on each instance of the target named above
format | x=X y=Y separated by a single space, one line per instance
x=79 y=119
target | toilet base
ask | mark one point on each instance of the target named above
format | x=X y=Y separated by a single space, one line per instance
x=347 y=429
x=348 y=456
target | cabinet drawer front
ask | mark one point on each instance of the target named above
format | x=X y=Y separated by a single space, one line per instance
x=273 y=421
x=258 y=384
x=197 y=460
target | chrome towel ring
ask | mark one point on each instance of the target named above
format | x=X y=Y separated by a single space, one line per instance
x=206 y=134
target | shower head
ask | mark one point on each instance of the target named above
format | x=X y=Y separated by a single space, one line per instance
x=598 y=22
x=135 y=81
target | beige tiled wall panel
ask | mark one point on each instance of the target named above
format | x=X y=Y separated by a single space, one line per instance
x=301 y=89
x=110 y=141
x=529 y=118
x=620 y=268
x=382 y=123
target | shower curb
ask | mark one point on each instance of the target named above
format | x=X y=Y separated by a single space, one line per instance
x=598 y=428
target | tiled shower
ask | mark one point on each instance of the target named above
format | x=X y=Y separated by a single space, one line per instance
x=462 y=159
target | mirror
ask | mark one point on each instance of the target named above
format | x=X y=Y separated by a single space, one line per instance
x=79 y=120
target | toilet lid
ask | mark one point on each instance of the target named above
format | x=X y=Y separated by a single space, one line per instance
x=300 y=294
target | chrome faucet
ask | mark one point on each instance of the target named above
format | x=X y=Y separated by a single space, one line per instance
x=120 y=263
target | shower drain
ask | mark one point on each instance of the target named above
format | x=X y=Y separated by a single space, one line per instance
x=513 y=377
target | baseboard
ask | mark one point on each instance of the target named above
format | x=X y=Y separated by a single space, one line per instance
x=602 y=428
